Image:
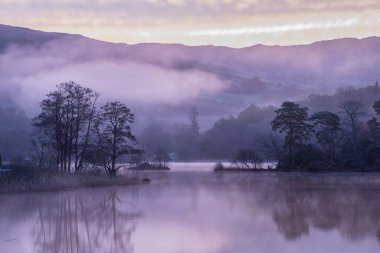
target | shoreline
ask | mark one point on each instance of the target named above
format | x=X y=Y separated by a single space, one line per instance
x=63 y=182
x=297 y=171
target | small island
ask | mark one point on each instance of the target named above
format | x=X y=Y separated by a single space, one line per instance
x=149 y=166
x=158 y=160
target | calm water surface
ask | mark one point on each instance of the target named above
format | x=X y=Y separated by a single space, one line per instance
x=191 y=209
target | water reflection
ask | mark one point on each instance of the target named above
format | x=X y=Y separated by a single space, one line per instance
x=200 y=212
x=352 y=208
x=81 y=222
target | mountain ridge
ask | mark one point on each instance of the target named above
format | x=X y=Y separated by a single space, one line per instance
x=25 y=29
x=158 y=78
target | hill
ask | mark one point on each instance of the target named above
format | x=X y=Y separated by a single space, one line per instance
x=160 y=81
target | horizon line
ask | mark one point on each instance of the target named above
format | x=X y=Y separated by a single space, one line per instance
x=188 y=45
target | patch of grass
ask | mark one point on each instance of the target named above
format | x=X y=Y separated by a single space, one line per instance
x=35 y=181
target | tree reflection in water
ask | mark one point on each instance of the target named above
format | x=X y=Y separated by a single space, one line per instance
x=75 y=223
x=250 y=207
x=351 y=207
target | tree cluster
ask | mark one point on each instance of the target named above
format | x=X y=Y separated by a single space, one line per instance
x=327 y=140
x=73 y=132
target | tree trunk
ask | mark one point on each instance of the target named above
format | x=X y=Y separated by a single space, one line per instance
x=114 y=155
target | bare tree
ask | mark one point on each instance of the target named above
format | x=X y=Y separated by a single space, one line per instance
x=248 y=158
x=161 y=157
x=271 y=146
x=65 y=121
x=354 y=110
x=41 y=146
x=114 y=137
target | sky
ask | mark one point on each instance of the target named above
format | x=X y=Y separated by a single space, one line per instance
x=199 y=22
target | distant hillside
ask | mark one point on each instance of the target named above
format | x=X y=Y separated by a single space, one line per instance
x=161 y=80
x=24 y=36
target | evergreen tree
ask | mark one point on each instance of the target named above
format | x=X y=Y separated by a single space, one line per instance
x=327 y=131
x=291 y=119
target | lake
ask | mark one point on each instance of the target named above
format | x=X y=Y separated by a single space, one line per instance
x=192 y=209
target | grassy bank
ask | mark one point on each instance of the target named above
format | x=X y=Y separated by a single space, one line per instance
x=56 y=181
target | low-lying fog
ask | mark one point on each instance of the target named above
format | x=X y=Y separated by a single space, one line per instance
x=200 y=211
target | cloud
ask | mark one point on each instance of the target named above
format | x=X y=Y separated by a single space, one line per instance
x=278 y=29
x=176 y=21
x=28 y=73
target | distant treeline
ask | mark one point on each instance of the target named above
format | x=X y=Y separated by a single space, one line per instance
x=15 y=128
x=251 y=129
x=349 y=113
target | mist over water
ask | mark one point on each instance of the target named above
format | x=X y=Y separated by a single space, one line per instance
x=191 y=209
x=120 y=148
